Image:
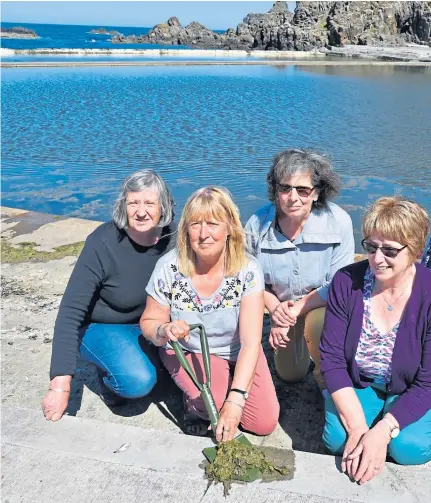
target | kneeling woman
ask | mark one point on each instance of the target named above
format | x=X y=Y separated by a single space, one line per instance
x=209 y=279
x=104 y=299
x=376 y=346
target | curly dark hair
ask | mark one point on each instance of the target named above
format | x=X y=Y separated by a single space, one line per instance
x=292 y=161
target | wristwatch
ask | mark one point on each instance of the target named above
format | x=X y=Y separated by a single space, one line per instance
x=394 y=430
x=241 y=392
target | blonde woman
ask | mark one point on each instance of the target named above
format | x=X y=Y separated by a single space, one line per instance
x=376 y=346
x=209 y=279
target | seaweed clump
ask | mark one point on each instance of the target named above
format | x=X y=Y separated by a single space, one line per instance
x=27 y=252
x=239 y=462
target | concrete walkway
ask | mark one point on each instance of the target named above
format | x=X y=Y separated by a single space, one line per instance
x=73 y=460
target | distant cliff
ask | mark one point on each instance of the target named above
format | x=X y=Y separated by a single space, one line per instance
x=312 y=25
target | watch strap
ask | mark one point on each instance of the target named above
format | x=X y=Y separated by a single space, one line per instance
x=240 y=391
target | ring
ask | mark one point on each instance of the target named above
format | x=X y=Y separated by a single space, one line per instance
x=225 y=429
x=376 y=468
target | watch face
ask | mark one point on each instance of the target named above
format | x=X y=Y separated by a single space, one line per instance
x=395 y=432
x=246 y=395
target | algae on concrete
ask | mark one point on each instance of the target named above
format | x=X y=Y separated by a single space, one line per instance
x=235 y=461
x=27 y=252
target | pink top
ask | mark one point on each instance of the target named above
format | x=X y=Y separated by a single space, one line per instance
x=374 y=353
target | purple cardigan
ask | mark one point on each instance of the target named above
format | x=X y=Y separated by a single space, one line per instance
x=411 y=359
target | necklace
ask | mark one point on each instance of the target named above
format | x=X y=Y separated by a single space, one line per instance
x=390 y=306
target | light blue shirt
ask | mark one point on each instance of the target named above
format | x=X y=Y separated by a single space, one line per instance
x=219 y=313
x=292 y=269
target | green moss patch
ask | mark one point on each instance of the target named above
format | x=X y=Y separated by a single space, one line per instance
x=26 y=252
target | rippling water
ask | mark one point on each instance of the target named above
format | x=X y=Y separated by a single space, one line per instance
x=71 y=135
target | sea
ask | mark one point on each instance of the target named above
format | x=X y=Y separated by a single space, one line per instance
x=71 y=135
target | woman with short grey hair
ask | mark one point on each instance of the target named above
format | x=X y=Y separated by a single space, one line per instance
x=301 y=239
x=105 y=297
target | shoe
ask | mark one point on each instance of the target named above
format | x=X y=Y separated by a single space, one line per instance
x=193 y=424
x=107 y=396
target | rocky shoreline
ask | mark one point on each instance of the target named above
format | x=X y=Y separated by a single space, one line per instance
x=312 y=25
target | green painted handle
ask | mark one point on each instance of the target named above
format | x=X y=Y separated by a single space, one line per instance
x=185 y=364
x=204 y=388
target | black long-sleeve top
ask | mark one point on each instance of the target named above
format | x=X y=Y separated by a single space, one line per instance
x=107 y=285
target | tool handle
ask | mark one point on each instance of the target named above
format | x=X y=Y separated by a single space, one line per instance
x=205 y=351
x=185 y=364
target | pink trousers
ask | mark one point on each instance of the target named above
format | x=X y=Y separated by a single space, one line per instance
x=261 y=410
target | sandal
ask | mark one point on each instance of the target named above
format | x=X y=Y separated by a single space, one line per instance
x=193 y=424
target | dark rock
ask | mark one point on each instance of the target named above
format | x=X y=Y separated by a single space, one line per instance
x=313 y=25
x=18 y=32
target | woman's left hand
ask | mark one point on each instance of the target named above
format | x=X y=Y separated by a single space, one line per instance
x=284 y=315
x=372 y=449
x=230 y=416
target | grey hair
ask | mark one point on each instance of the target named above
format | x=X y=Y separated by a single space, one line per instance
x=290 y=162
x=137 y=182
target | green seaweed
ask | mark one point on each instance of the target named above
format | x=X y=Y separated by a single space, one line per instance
x=26 y=252
x=234 y=460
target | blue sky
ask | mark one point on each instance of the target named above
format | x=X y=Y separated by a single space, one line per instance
x=215 y=15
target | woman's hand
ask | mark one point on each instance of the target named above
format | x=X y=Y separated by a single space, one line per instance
x=230 y=416
x=278 y=337
x=55 y=402
x=371 y=450
x=284 y=315
x=174 y=330
x=350 y=466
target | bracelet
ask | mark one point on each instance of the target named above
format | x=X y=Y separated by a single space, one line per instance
x=60 y=390
x=237 y=404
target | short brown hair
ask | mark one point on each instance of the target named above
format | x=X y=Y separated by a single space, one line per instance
x=398 y=219
x=217 y=203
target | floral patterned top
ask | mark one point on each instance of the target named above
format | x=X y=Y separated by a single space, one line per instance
x=374 y=353
x=219 y=313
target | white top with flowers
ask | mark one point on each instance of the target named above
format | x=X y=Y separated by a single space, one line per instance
x=219 y=313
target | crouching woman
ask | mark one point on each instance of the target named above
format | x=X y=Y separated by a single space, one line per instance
x=210 y=280
x=376 y=346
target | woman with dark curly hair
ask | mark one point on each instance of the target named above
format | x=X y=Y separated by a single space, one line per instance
x=301 y=239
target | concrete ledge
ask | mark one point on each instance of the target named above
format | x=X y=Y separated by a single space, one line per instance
x=52 y=448
x=348 y=62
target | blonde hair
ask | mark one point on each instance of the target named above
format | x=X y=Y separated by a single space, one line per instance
x=398 y=219
x=212 y=203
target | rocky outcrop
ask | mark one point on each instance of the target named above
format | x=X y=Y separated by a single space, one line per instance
x=312 y=25
x=104 y=31
x=18 y=32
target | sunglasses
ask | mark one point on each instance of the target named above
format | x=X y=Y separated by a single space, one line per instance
x=302 y=191
x=387 y=251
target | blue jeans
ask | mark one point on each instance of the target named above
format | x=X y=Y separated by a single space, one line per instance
x=117 y=352
x=411 y=447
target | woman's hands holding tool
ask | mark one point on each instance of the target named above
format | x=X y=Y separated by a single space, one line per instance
x=173 y=331
x=230 y=417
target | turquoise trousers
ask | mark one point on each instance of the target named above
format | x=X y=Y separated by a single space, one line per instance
x=411 y=447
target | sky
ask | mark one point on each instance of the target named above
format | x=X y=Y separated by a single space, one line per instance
x=215 y=15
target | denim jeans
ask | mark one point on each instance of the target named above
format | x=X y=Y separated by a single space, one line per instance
x=119 y=352
x=411 y=447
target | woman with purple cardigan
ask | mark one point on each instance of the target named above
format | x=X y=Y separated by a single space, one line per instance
x=376 y=346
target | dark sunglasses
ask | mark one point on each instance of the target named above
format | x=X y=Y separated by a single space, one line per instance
x=387 y=251
x=302 y=191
